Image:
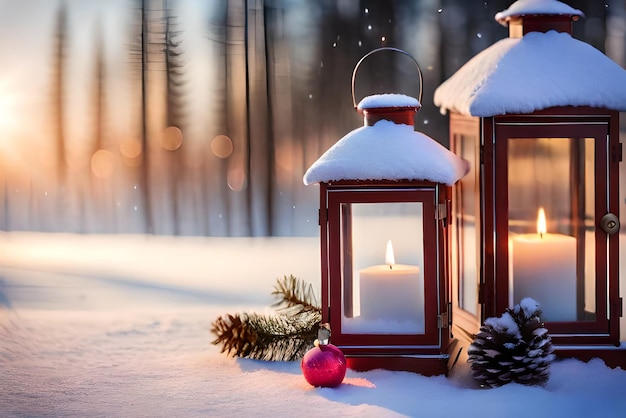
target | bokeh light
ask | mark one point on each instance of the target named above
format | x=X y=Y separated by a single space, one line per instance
x=222 y=146
x=130 y=148
x=172 y=138
x=102 y=163
x=236 y=179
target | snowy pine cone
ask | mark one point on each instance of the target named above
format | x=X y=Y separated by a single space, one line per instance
x=513 y=348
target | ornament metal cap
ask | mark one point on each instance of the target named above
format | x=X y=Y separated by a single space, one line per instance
x=323 y=335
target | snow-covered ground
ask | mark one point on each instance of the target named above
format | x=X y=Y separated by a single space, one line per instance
x=117 y=326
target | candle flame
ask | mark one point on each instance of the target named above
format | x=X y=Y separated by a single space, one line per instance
x=389 y=258
x=541 y=222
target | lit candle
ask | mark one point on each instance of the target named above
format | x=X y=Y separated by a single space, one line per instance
x=392 y=291
x=543 y=267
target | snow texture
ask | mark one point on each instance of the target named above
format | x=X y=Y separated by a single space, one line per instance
x=538 y=71
x=536 y=7
x=530 y=306
x=387 y=151
x=388 y=100
x=504 y=324
x=119 y=326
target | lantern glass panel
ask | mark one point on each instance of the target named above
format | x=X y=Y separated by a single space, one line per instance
x=551 y=201
x=466 y=228
x=382 y=295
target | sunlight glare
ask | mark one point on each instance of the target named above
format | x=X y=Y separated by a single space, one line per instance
x=8 y=115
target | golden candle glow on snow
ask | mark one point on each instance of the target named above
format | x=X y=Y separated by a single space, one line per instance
x=392 y=291
x=543 y=267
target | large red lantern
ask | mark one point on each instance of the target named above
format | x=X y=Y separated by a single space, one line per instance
x=537 y=117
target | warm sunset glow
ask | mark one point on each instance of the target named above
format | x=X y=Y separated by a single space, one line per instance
x=541 y=222
x=7 y=111
x=390 y=260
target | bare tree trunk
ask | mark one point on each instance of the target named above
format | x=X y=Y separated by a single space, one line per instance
x=145 y=146
x=269 y=82
x=247 y=144
x=100 y=203
x=58 y=88
x=237 y=117
x=175 y=106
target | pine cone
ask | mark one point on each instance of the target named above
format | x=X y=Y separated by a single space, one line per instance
x=513 y=348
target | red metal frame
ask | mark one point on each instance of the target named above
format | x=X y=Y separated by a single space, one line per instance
x=591 y=124
x=426 y=353
x=492 y=134
x=466 y=129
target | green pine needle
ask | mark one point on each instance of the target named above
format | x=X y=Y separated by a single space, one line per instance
x=295 y=294
x=272 y=338
x=286 y=336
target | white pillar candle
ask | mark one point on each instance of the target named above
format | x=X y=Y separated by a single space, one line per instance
x=392 y=291
x=543 y=267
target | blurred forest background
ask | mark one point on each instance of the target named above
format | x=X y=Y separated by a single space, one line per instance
x=188 y=117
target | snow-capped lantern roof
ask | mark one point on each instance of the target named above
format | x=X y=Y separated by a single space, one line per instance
x=387 y=148
x=534 y=69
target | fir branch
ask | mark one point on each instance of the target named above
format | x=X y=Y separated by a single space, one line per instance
x=235 y=335
x=271 y=338
x=296 y=295
x=282 y=337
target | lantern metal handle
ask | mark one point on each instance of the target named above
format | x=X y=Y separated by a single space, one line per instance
x=387 y=48
x=610 y=223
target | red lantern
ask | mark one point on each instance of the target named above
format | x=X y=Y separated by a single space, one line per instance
x=541 y=133
x=384 y=205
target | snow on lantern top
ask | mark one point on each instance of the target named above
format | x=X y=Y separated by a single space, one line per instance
x=386 y=150
x=387 y=147
x=538 y=70
x=536 y=7
x=388 y=100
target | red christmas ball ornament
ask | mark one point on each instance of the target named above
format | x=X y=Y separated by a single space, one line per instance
x=324 y=365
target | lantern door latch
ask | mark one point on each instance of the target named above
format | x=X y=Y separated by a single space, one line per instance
x=617 y=152
x=322 y=216
x=610 y=223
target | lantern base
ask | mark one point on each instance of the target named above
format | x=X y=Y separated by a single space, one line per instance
x=429 y=365
x=612 y=356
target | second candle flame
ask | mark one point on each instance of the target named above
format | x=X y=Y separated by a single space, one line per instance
x=541 y=222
